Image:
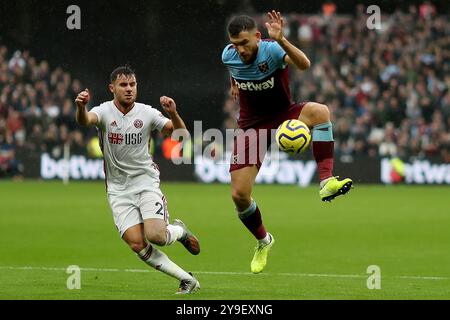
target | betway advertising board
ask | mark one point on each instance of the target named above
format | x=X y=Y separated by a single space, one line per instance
x=76 y=167
x=279 y=172
x=283 y=171
x=417 y=172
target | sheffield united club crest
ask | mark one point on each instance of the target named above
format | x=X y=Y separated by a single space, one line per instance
x=138 y=123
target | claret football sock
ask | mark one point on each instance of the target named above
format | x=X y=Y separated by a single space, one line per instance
x=160 y=261
x=323 y=149
x=251 y=218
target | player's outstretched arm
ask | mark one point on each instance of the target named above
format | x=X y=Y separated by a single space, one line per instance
x=82 y=116
x=294 y=55
x=175 y=122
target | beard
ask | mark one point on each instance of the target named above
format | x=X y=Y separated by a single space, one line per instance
x=127 y=102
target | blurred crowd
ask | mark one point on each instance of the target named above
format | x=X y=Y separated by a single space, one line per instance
x=36 y=110
x=388 y=89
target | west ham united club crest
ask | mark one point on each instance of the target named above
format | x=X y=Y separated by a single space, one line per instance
x=138 y=123
x=263 y=67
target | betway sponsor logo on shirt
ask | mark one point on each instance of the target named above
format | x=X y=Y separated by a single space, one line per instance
x=252 y=86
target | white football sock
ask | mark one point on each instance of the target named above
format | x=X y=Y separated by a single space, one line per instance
x=266 y=239
x=160 y=261
x=173 y=233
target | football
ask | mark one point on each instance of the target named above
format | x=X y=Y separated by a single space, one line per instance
x=293 y=136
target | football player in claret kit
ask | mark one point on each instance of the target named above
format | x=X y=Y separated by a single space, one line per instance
x=132 y=178
x=259 y=77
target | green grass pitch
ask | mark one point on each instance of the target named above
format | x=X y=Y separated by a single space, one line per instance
x=322 y=250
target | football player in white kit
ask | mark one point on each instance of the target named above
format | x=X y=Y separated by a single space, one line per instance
x=132 y=178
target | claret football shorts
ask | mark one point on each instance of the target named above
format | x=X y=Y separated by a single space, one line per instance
x=251 y=145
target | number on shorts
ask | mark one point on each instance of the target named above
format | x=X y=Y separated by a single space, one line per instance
x=160 y=210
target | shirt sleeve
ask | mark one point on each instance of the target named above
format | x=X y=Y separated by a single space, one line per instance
x=227 y=54
x=277 y=53
x=99 y=111
x=158 y=120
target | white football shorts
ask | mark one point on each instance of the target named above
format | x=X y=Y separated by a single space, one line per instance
x=131 y=209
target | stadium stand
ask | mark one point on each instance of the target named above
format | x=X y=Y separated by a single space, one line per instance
x=36 y=110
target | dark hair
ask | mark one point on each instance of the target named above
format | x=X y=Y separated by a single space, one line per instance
x=122 y=70
x=240 y=23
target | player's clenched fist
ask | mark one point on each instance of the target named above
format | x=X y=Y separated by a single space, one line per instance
x=83 y=98
x=168 y=104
